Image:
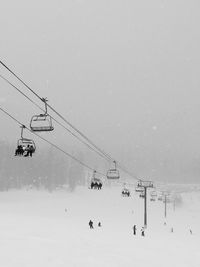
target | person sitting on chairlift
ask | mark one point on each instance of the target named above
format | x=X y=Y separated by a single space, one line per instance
x=91 y=224
x=29 y=150
x=19 y=150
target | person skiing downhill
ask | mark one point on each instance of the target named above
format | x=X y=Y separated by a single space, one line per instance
x=91 y=224
x=134 y=229
x=142 y=231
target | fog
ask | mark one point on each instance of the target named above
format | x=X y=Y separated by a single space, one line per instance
x=126 y=73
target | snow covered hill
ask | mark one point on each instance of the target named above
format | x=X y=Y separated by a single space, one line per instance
x=40 y=229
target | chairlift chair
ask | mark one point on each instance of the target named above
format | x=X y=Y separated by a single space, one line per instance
x=96 y=183
x=25 y=144
x=42 y=122
x=113 y=173
x=125 y=192
x=138 y=190
x=153 y=193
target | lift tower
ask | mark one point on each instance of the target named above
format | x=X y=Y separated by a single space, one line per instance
x=145 y=185
x=165 y=201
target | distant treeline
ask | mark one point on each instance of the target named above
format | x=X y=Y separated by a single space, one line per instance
x=47 y=169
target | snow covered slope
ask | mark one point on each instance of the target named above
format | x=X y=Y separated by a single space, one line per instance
x=40 y=229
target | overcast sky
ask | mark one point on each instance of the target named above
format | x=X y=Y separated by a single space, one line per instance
x=126 y=73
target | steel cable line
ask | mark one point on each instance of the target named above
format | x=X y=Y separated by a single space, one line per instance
x=90 y=147
x=120 y=166
x=57 y=147
x=129 y=173
x=72 y=126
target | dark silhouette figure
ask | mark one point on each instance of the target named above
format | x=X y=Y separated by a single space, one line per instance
x=99 y=224
x=96 y=185
x=91 y=224
x=172 y=230
x=19 y=151
x=190 y=231
x=27 y=151
x=99 y=186
x=134 y=229
x=30 y=150
x=142 y=232
x=125 y=193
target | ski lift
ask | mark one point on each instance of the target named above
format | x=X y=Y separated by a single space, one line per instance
x=125 y=192
x=113 y=173
x=153 y=193
x=42 y=122
x=96 y=183
x=138 y=189
x=24 y=144
x=152 y=198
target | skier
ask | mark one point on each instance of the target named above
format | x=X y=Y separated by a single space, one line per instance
x=190 y=231
x=99 y=224
x=134 y=229
x=172 y=230
x=91 y=224
x=142 y=231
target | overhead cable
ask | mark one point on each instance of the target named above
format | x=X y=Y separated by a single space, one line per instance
x=64 y=119
x=77 y=137
x=52 y=144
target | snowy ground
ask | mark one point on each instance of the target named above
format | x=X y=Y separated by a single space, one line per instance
x=36 y=231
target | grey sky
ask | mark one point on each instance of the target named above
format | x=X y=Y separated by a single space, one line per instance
x=125 y=72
